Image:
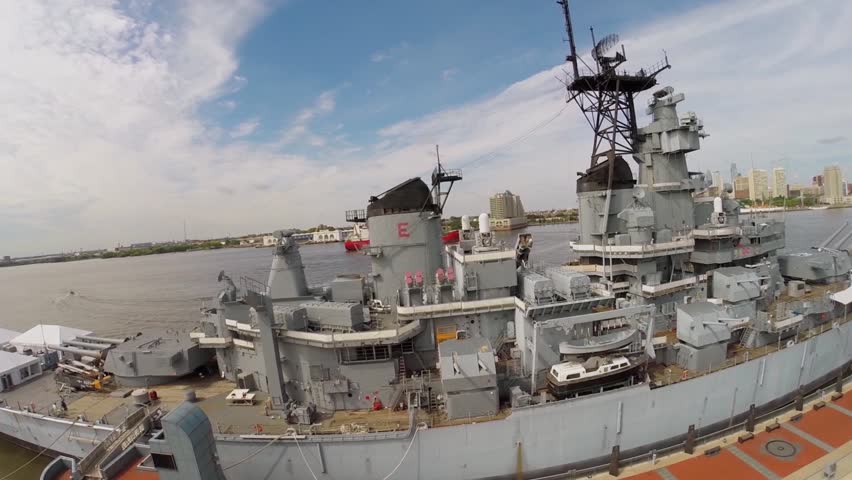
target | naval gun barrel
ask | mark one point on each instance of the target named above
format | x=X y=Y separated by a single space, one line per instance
x=93 y=346
x=78 y=351
x=114 y=341
x=842 y=241
x=832 y=236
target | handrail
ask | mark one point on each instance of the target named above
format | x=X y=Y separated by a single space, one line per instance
x=128 y=427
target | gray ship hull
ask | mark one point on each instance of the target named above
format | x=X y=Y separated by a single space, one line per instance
x=570 y=434
x=553 y=438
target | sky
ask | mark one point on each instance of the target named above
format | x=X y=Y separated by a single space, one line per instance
x=123 y=120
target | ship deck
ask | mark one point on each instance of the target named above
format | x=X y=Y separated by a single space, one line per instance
x=666 y=374
x=110 y=408
x=817 y=292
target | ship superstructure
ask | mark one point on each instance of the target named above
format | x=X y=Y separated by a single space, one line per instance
x=680 y=318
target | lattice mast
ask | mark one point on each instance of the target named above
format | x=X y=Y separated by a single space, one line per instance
x=441 y=175
x=604 y=93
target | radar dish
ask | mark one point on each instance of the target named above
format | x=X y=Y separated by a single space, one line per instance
x=604 y=46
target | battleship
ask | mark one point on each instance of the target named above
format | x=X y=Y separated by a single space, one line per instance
x=681 y=318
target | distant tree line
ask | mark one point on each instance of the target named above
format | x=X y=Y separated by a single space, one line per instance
x=790 y=202
x=171 y=248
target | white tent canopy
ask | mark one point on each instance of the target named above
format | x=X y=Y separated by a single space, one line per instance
x=843 y=296
x=6 y=336
x=49 y=335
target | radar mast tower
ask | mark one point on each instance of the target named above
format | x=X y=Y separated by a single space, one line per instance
x=605 y=94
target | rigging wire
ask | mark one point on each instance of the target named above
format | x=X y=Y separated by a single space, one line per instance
x=303 y=457
x=518 y=139
x=508 y=144
x=9 y=475
x=416 y=431
x=275 y=439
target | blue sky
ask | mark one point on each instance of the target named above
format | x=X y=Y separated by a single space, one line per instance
x=392 y=61
x=123 y=119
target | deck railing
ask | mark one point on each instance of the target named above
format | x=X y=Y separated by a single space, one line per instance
x=750 y=354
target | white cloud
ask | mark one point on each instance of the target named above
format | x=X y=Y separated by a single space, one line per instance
x=101 y=138
x=449 y=73
x=299 y=129
x=389 y=54
x=102 y=141
x=245 y=128
x=740 y=63
x=378 y=57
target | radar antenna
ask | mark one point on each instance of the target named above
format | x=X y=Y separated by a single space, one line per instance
x=604 y=45
x=605 y=94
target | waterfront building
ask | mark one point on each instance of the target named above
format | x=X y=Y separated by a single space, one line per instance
x=716 y=185
x=797 y=190
x=779 y=182
x=833 y=185
x=717 y=179
x=758 y=184
x=327 y=236
x=741 y=188
x=507 y=211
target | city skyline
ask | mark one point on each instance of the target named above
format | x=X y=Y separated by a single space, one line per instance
x=831 y=186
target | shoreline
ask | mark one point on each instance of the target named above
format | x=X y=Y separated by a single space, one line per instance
x=178 y=248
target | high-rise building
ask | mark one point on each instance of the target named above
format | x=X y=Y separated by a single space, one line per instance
x=716 y=184
x=797 y=191
x=833 y=184
x=758 y=184
x=741 y=188
x=779 y=182
x=507 y=211
x=818 y=180
x=734 y=173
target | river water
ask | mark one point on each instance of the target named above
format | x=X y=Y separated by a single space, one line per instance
x=121 y=296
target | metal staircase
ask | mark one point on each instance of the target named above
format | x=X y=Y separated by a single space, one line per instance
x=748 y=338
x=124 y=435
x=402 y=372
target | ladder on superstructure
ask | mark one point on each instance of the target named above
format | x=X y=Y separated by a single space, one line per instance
x=122 y=437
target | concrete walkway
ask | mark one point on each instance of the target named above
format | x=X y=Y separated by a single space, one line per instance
x=799 y=449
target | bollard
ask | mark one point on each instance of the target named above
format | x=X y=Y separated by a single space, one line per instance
x=750 y=421
x=689 y=444
x=838 y=387
x=613 y=461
